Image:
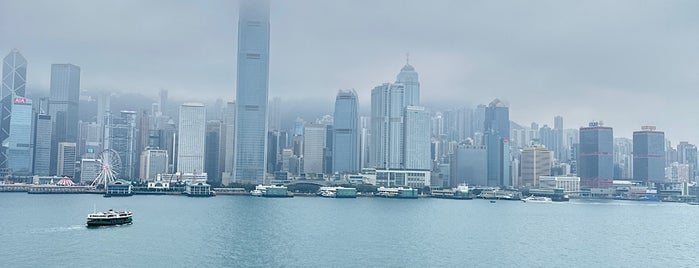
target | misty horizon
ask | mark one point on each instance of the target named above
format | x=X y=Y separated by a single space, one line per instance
x=622 y=63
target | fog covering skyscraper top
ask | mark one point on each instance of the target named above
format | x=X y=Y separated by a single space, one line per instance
x=252 y=91
x=63 y=105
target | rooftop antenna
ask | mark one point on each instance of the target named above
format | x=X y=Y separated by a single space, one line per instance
x=407 y=58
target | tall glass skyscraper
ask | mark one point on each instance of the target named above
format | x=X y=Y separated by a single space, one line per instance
x=14 y=81
x=252 y=91
x=19 y=144
x=346 y=133
x=63 y=106
x=596 y=156
x=497 y=142
x=649 y=155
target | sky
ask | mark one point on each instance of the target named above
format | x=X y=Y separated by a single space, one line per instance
x=625 y=62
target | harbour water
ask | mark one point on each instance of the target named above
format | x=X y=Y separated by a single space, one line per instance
x=240 y=231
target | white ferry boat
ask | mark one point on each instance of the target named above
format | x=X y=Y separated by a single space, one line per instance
x=537 y=199
x=110 y=217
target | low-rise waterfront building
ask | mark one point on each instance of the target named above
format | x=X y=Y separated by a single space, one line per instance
x=568 y=184
x=405 y=178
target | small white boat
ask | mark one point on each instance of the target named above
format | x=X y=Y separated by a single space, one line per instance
x=256 y=192
x=537 y=199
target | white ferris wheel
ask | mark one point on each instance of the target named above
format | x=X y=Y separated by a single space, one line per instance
x=110 y=165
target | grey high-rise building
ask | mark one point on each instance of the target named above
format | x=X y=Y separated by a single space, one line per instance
x=66 y=159
x=63 y=105
x=328 y=149
x=649 y=155
x=163 y=104
x=153 y=162
x=497 y=138
x=228 y=143
x=346 y=133
x=547 y=137
x=468 y=165
x=416 y=137
x=212 y=151
x=14 y=82
x=687 y=154
x=275 y=114
x=313 y=144
x=387 y=126
x=122 y=138
x=478 y=120
x=252 y=91
x=409 y=78
x=192 y=138
x=596 y=156
x=272 y=151
x=42 y=144
x=558 y=141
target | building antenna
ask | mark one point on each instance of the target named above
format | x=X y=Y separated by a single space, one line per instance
x=407 y=58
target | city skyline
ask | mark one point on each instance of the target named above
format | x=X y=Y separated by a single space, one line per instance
x=461 y=58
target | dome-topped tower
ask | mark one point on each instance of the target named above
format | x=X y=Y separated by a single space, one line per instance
x=408 y=77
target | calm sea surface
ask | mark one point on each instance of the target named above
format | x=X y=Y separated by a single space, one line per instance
x=177 y=231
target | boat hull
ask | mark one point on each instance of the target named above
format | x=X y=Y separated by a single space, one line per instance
x=108 y=222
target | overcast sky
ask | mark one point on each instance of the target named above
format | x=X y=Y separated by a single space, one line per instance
x=628 y=63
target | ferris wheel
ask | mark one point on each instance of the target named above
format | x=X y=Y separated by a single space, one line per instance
x=110 y=166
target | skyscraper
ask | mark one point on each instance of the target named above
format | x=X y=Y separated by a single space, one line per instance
x=387 y=126
x=252 y=91
x=275 y=115
x=191 y=140
x=687 y=154
x=595 y=156
x=649 y=155
x=212 y=150
x=153 y=162
x=497 y=138
x=14 y=74
x=42 y=145
x=122 y=137
x=20 y=148
x=346 y=133
x=63 y=105
x=228 y=143
x=547 y=137
x=409 y=78
x=66 y=159
x=468 y=165
x=536 y=161
x=313 y=144
x=417 y=141
x=558 y=141
x=14 y=81
x=272 y=151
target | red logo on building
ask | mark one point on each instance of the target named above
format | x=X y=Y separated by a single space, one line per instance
x=20 y=100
